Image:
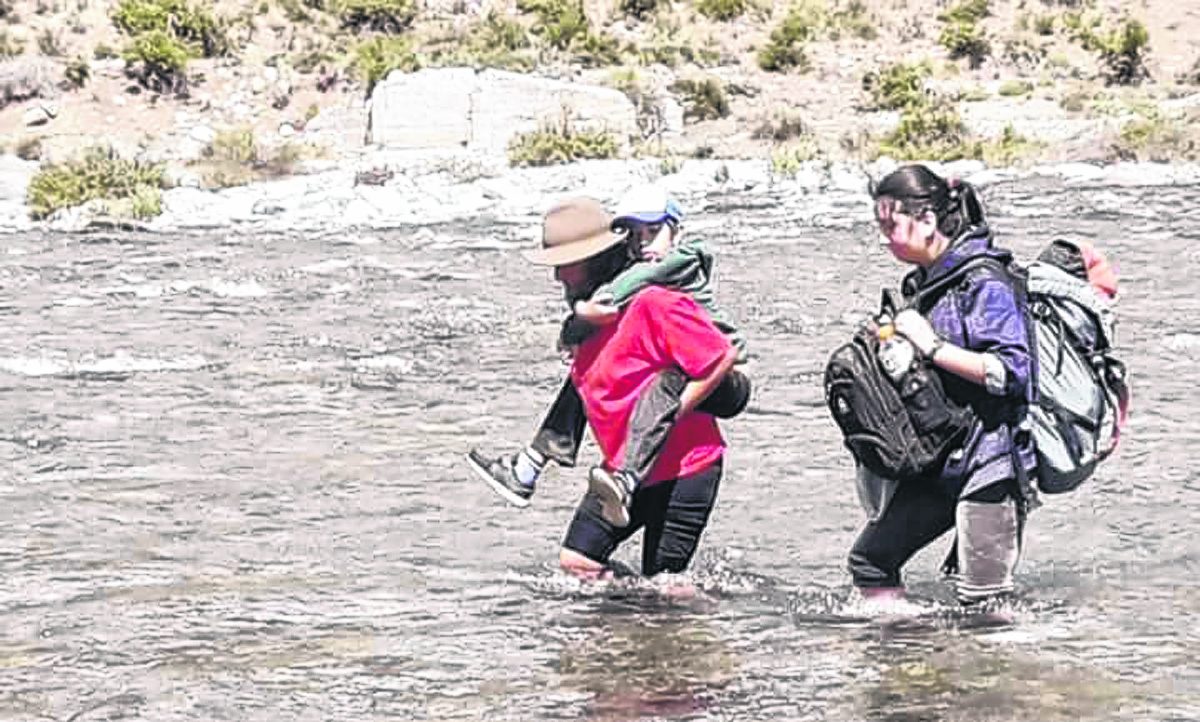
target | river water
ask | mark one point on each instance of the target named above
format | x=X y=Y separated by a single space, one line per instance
x=232 y=489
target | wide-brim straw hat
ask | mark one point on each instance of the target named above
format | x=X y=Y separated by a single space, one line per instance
x=574 y=229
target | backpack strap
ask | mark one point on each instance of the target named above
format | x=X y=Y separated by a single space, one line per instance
x=925 y=297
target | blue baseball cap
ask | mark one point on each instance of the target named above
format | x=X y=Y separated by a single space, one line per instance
x=647 y=204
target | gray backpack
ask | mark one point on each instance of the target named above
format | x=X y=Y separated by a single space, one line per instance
x=1081 y=388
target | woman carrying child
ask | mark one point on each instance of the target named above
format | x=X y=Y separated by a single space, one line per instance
x=976 y=335
x=659 y=330
x=649 y=224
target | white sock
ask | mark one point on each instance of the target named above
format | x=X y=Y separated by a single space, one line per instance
x=528 y=466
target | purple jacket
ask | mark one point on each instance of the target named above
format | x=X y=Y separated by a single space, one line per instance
x=983 y=313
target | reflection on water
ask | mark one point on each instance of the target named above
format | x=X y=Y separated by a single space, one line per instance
x=233 y=489
x=636 y=665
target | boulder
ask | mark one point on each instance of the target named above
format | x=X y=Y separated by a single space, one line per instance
x=426 y=109
x=505 y=104
x=457 y=107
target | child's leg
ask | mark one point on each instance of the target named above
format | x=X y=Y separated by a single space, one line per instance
x=561 y=432
x=653 y=418
x=655 y=412
x=514 y=476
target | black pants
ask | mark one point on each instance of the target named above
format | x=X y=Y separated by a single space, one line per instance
x=561 y=432
x=918 y=514
x=674 y=514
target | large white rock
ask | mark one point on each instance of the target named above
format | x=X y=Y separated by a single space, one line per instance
x=449 y=107
x=509 y=103
x=426 y=109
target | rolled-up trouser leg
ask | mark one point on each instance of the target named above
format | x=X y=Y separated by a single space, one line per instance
x=653 y=417
x=989 y=546
x=729 y=398
x=561 y=431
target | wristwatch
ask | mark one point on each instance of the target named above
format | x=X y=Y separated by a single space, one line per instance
x=938 y=342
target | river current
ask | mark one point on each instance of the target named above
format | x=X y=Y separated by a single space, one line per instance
x=230 y=468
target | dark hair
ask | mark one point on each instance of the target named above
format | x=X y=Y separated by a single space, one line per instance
x=601 y=268
x=954 y=203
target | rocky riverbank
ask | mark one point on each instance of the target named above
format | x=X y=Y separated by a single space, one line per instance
x=341 y=112
x=392 y=189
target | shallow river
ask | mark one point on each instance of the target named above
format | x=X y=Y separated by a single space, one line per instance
x=232 y=489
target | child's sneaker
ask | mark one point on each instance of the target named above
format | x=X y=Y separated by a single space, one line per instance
x=616 y=494
x=500 y=474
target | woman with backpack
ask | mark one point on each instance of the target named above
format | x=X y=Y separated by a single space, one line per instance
x=973 y=330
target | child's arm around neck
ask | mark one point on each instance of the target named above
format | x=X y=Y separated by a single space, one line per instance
x=687 y=267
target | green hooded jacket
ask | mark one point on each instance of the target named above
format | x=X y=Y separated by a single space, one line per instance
x=687 y=268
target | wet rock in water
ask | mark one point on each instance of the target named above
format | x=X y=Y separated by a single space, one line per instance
x=373 y=176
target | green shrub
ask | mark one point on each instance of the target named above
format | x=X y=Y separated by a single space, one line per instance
x=1013 y=88
x=973 y=94
x=294 y=11
x=103 y=52
x=672 y=51
x=702 y=99
x=928 y=132
x=139 y=16
x=10 y=47
x=967 y=11
x=310 y=61
x=375 y=58
x=146 y=202
x=77 y=73
x=593 y=50
x=722 y=9
x=1123 y=53
x=1044 y=24
x=787 y=161
x=1007 y=149
x=1157 y=136
x=897 y=86
x=560 y=143
x=563 y=26
x=99 y=174
x=560 y=21
x=1081 y=27
x=158 y=61
x=235 y=157
x=193 y=25
x=852 y=20
x=494 y=42
x=237 y=146
x=389 y=16
x=785 y=49
x=965 y=40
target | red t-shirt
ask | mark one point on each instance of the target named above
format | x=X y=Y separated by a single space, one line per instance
x=659 y=329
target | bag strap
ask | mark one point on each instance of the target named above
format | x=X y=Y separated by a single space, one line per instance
x=925 y=297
